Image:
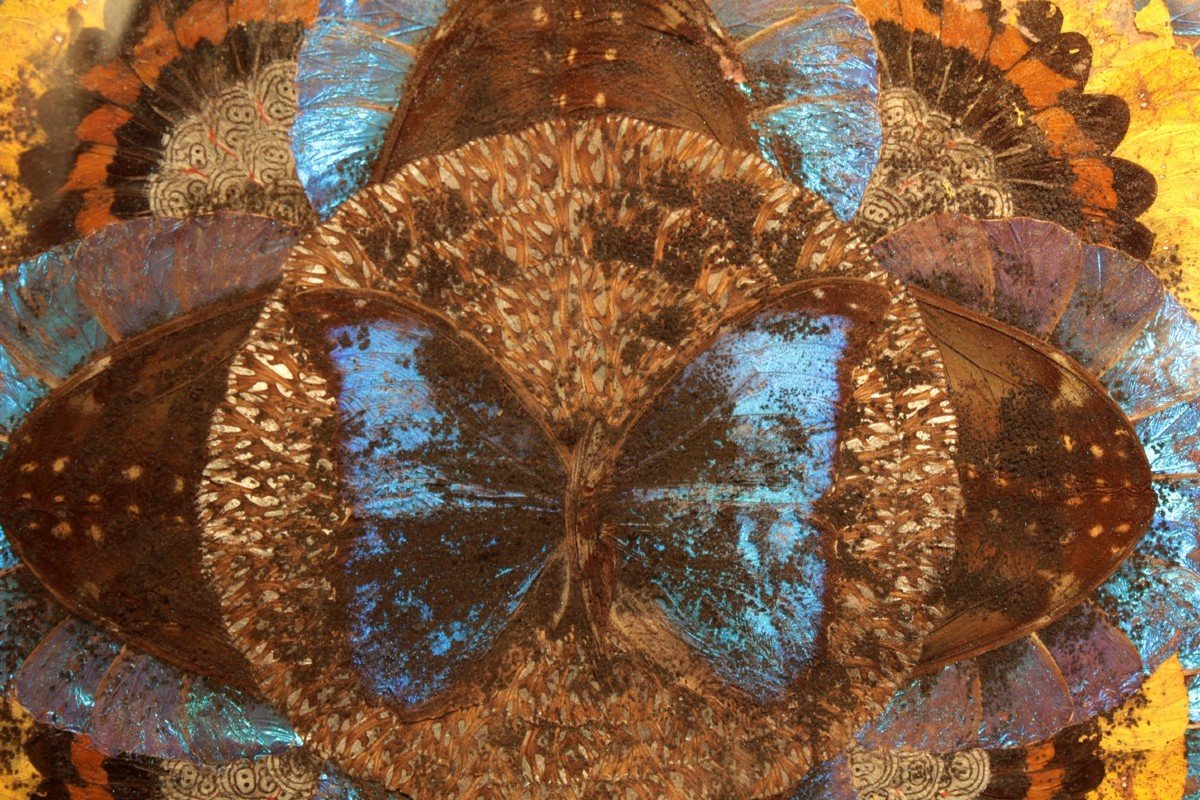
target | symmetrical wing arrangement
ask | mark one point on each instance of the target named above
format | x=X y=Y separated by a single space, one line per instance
x=589 y=399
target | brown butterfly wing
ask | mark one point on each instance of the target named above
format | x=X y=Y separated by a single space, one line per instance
x=1057 y=487
x=496 y=68
x=99 y=488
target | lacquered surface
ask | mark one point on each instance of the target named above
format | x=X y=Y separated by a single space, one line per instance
x=577 y=526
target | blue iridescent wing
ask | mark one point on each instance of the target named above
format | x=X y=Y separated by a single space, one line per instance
x=455 y=495
x=60 y=677
x=810 y=74
x=716 y=499
x=1155 y=596
x=350 y=73
x=46 y=328
x=60 y=309
x=1077 y=668
x=748 y=436
x=80 y=679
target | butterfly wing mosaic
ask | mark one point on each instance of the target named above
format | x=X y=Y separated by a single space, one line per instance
x=604 y=399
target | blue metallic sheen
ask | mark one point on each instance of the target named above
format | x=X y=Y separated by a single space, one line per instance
x=44 y=323
x=139 y=709
x=938 y=712
x=8 y=559
x=829 y=780
x=1101 y=667
x=80 y=679
x=1024 y=698
x=1157 y=605
x=1174 y=531
x=1162 y=366
x=1185 y=16
x=404 y=20
x=1172 y=439
x=223 y=724
x=1155 y=596
x=59 y=681
x=19 y=392
x=813 y=79
x=350 y=74
x=1193 y=760
x=729 y=545
x=132 y=275
x=444 y=486
x=1128 y=294
x=137 y=274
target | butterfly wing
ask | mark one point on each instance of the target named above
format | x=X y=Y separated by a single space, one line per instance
x=101 y=480
x=723 y=500
x=68 y=766
x=1185 y=19
x=29 y=614
x=350 y=73
x=493 y=69
x=454 y=495
x=988 y=117
x=1154 y=596
x=809 y=71
x=433 y=501
x=1070 y=672
x=125 y=701
x=1057 y=489
x=34 y=39
x=601 y=259
x=1110 y=313
x=106 y=460
x=115 y=711
x=170 y=110
x=1136 y=745
x=383 y=504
